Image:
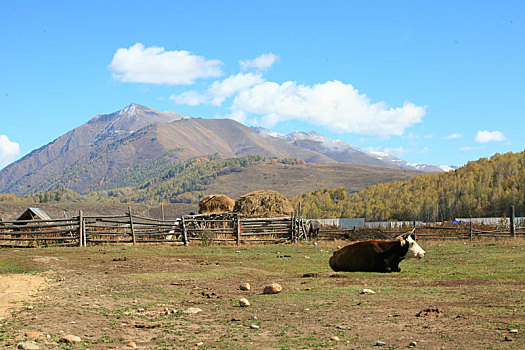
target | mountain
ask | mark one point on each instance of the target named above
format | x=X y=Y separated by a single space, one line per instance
x=340 y=151
x=26 y=174
x=100 y=153
x=108 y=145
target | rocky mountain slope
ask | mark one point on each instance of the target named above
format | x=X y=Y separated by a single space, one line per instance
x=108 y=146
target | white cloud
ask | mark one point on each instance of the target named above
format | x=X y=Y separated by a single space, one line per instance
x=466 y=148
x=154 y=65
x=489 y=136
x=190 y=98
x=402 y=151
x=9 y=150
x=261 y=62
x=219 y=90
x=453 y=136
x=397 y=151
x=333 y=104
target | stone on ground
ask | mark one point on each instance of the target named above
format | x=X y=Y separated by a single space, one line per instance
x=273 y=288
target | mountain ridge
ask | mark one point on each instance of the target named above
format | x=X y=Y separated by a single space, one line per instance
x=342 y=152
x=108 y=145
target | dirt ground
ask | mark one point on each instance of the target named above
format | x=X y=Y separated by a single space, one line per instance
x=18 y=288
x=121 y=297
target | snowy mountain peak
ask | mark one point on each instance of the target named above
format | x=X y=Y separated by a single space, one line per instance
x=132 y=109
x=300 y=135
x=340 y=151
x=134 y=117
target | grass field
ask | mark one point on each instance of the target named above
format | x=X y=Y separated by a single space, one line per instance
x=461 y=296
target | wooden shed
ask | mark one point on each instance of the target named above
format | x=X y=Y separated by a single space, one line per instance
x=34 y=214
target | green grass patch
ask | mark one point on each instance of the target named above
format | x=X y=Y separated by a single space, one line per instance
x=13 y=265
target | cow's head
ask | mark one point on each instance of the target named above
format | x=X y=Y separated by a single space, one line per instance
x=414 y=250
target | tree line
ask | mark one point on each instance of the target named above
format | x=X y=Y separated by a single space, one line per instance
x=482 y=188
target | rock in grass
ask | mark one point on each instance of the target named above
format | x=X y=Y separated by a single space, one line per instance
x=380 y=343
x=192 y=310
x=32 y=335
x=254 y=326
x=273 y=288
x=70 y=339
x=335 y=338
x=311 y=274
x=245 y=286
x=367 y=291
x=27 y=346
x=243 y=302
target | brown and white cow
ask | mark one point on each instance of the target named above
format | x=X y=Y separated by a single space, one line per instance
x=376 y=255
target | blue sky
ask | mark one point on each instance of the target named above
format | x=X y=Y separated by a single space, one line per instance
x=437 y=82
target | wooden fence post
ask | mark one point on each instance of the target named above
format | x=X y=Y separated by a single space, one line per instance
x=184 y=232
x=80 y=229
x=292 y=219
x=470 y=229
x=162 y=210
x=238 y=233
x=512 y=228
x=84 y=231
x=131 y=226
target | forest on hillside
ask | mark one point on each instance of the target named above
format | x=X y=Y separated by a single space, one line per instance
x=183 y=182
x=159 y=181
x=482 y=188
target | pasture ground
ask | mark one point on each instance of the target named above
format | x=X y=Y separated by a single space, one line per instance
x=461 y=296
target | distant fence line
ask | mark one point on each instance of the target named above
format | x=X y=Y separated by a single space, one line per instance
x=343 y=223
x=208 y=228
x=493 y=221
x=520 y=221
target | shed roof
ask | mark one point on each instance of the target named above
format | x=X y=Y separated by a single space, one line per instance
x=34 y=214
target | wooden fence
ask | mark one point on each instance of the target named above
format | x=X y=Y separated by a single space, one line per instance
x=424 y=232
x=30 y=233
x=132 y=229
x=222 y=227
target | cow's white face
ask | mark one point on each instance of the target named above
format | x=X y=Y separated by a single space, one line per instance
x=414 y=250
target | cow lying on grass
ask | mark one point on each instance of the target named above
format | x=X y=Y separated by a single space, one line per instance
x=376 y=255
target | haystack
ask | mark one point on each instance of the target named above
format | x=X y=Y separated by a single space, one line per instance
x=216 y=203
x=266 y=203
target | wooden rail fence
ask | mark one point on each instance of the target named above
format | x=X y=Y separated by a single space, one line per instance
x=429 y=232
x=84 y=230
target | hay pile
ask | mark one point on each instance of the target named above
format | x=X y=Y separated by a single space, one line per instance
x=266 y=203
x=216 y=203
